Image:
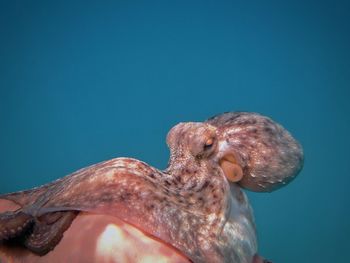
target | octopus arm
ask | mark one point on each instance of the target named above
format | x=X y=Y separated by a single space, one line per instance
x=24 y=198
x=123 y=187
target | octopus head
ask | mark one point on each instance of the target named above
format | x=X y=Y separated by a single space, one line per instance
x=251 y=149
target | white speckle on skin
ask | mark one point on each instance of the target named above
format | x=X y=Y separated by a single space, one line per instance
x=110 y=175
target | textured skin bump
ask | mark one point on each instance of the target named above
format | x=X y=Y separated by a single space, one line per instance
x=191 y=206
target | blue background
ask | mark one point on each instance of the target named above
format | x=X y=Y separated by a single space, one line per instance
x=82 y=81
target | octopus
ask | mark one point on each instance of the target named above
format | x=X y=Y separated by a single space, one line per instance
x=195 y=206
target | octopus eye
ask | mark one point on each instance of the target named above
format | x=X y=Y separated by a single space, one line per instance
x=208 y=144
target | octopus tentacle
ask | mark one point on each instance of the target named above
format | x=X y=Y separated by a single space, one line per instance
x=39 y=235
x=14 y=224
x=26 y=197
x=48 y=231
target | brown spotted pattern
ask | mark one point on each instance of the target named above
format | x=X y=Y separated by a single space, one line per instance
x=190 y=205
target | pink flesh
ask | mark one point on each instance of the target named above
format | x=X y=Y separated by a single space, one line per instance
x=96 y=238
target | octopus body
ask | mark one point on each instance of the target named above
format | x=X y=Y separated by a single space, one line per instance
x=196 y=204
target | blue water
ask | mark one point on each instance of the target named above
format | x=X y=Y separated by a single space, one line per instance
x=83 y=82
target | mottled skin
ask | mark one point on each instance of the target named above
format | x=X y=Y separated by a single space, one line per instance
x=191 y=205
x=269 y=156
